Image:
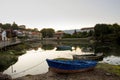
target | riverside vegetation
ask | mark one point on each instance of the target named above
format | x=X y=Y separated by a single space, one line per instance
x=9 y=55
x=101 y=72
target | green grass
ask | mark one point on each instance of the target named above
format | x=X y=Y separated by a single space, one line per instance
x=115 y=69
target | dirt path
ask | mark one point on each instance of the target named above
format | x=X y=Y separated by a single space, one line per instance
x=97 y=74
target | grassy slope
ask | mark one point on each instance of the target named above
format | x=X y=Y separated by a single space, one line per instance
x=115 y=69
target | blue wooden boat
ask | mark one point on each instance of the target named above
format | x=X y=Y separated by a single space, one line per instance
x=70 y=66
x=60 y=48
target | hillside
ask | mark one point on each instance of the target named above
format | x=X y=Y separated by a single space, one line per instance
x=71 y=31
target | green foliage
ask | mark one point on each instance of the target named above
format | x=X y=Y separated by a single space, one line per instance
x=22 y=37
x=47 y=33
x=107 y=32
x=9 y=26
x=65 y=35
x=17 y=49
x=14 y=26
x=107 y=48
x=6 y=61
x=115 y=69
x=6 y=26
x=47 y=47
x=90 y=33
x=78 y=34
x=101 y=30
x=82 y=35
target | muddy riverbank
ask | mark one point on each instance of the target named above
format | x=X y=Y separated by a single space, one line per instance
x=96 y=74
x=101 y=72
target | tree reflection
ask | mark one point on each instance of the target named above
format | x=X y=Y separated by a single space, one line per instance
x=6 y=61
x=47 y=47
x=107 y=49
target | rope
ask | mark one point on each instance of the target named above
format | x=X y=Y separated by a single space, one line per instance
x=29 y=68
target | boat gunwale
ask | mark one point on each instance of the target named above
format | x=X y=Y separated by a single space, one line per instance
x=89 y=62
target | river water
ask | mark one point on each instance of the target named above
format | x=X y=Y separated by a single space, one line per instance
x=34 y=61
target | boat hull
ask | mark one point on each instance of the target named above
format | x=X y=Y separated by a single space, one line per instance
x=56 y=70
x=69 y=66
x=88 y=57
x=60 y=48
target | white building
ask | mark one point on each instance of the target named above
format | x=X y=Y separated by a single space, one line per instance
x=4 y=36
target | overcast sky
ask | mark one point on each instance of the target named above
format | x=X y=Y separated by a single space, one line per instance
x=59 y=14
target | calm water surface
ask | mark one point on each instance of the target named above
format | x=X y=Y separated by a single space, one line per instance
x=34 y=61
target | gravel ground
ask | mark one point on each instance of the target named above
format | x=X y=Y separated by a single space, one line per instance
x=97 y=74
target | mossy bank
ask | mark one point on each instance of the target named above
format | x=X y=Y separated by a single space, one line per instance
x=102 y=71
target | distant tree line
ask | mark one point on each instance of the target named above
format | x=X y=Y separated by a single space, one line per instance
x=107 y=32
x=79 y=34
x=13 y=26
x=101 y=33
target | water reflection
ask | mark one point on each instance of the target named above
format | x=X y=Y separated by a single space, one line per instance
x=6 y=61
x=47 y=47
x=107 y=48
x=33 y=62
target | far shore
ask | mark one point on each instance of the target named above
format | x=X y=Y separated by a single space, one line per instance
x=67 y=39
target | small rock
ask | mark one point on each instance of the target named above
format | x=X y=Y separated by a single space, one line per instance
x=108 y=74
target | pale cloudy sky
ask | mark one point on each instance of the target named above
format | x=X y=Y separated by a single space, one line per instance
x=59 y=14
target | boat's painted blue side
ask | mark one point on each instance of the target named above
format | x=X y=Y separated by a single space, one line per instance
x=71 y=64
x=64 y=48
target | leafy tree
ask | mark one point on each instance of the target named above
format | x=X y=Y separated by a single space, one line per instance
x=101 y=30
x=90 y=33
x=75 y=34
x=6 y=26
x=1 y=25
x=65 y=35
x=14 y=26
x=84 y=34
x=107 y=32
x=116 y=29
x=47 y=33
x=116 y=32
